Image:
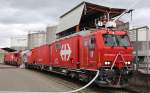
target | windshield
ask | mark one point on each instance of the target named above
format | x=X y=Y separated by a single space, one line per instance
x=116 y=40
x=123 y=40
x=109 y=40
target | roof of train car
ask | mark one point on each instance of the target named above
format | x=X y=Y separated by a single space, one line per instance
x=9 y=49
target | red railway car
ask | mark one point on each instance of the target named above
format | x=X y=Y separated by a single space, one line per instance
x=80 y=56
x=12 y=58
x=39 y=56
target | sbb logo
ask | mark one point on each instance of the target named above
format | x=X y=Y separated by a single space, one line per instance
x=65 y=52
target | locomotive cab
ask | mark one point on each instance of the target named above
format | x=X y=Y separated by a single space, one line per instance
x=117 y=50
x=114 y=56
x=110 y=52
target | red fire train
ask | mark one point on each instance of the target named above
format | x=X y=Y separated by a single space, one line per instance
x=12 y=58
x=81 y=54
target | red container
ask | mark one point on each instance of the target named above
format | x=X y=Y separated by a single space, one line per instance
x=40 y=55
x=12 y=58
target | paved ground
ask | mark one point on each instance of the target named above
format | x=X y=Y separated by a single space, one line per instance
x=140 y=82
x=16 y=79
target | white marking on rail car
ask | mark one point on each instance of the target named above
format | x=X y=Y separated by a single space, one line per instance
x=65 y=52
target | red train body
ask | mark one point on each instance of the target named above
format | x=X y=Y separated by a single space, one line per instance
x=12 y=58
x=40 y=56
x=65 y=53
x=80 y=55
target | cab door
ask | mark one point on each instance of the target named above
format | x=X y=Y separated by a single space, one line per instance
x=92 y=53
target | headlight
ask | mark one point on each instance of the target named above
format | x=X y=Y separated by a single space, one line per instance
x=128 y=63
x=107 y=63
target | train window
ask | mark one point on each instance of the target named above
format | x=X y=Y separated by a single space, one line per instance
x=109 y=40
x=116 y=40
x=92 y=42
x=123 y=40
x=58 y=46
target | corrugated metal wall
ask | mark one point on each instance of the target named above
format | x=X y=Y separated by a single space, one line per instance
x=143 y=36
x=36 y=39
x=141 y=48
x=51 y=34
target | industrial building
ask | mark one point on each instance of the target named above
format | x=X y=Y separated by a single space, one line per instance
x=140 y=39
x=19 y=42
x=51 y=34
x=36 y=39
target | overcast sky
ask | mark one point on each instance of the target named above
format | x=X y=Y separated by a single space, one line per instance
x=18 y=17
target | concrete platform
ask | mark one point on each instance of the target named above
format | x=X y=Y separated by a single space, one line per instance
x=15 y=79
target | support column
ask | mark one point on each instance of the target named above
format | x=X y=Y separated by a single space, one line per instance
x=77 y=28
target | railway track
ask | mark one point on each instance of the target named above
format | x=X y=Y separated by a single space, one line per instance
x=72 y=84
x=75 y=84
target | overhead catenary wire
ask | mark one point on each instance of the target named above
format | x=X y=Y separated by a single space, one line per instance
x=127 y=10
